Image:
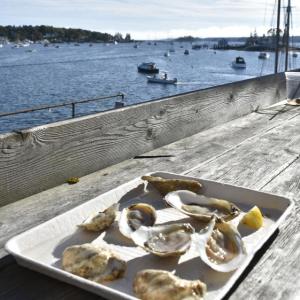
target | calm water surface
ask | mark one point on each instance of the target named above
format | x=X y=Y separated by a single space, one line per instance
x=50 y=75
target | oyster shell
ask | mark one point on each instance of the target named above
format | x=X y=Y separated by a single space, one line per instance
x=135 y=216
x=221 y=246
x=165 y=186
x=163 y=285
x=92 y=262
x=164 y=240
x=201 y=207
x=101 y=220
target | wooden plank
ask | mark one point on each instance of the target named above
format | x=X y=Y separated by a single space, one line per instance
x=19 y=283
x=270 y=162
x=187 y=152
x=276 y=275
x=256 y=161
x=16 y=280
x=38 y=159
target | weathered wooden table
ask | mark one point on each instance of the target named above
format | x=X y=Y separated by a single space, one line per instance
x=259 y=151
x=227 y=133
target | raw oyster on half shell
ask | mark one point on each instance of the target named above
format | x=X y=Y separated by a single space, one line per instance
x=135 y=216
x=165 y=186
x=202 y=207
x=221 y=246
x=92 y=262
x=101 y=220
x=163 y=285
x=164 y=240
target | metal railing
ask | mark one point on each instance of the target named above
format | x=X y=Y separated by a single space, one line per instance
x=72 y=104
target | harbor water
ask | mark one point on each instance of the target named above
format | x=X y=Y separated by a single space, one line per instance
x=37 y=76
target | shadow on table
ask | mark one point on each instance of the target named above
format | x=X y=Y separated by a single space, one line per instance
x=253 y=263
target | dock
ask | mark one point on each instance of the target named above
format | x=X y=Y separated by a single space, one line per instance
x=243 y=133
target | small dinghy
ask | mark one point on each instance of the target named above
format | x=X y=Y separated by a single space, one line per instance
x=163 y=79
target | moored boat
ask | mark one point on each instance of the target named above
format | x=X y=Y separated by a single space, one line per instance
x=196 y=47
x=149 y=68
x=238 y=63
x=186 y=52
x=263 y=55
x=163 y=80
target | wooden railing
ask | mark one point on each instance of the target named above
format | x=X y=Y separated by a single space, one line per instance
x=37 y=159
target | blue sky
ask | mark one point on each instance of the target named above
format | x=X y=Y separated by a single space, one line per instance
x=151 y=19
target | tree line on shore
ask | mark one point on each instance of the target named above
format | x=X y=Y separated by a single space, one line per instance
x=57 y=35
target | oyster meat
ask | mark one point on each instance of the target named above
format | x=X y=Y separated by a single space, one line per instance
x=165 y=186
x=221 y=246
x=164 y=240
x=202 y=207
x=101 y=220
x=135 y=216
x=92 y=262
x=163 y=285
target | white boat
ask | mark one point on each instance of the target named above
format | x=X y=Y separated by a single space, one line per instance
x=1 y=46
x=167 y=54
x=149 y=68
x=162 y=80
x=238 y=63
x=263 y=55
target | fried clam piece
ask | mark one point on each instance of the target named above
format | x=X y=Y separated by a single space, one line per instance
x=165 y=186
x=163 y=285
x=101 y=220
x=92 y=262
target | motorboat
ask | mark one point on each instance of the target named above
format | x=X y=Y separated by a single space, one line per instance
x=163 y=79
x=149 y=68
x=238 y=63
x=196 y=47
x=186 y=52
x=263 y=55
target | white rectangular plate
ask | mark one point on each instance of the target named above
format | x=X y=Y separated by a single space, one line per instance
x=41 y=248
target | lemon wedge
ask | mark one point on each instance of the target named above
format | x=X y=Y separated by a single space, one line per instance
x=253 y=218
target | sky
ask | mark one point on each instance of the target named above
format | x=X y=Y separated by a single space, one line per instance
x=150 y=19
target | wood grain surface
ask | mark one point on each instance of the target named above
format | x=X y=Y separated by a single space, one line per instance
x=43 y=157
x=252 y=151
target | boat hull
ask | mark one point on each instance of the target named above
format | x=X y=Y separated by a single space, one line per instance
x=238 y=66
x=161 y=80
x=148 y=71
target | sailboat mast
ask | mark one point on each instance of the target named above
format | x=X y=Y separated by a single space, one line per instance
x=287 y=35
x=277 y=36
